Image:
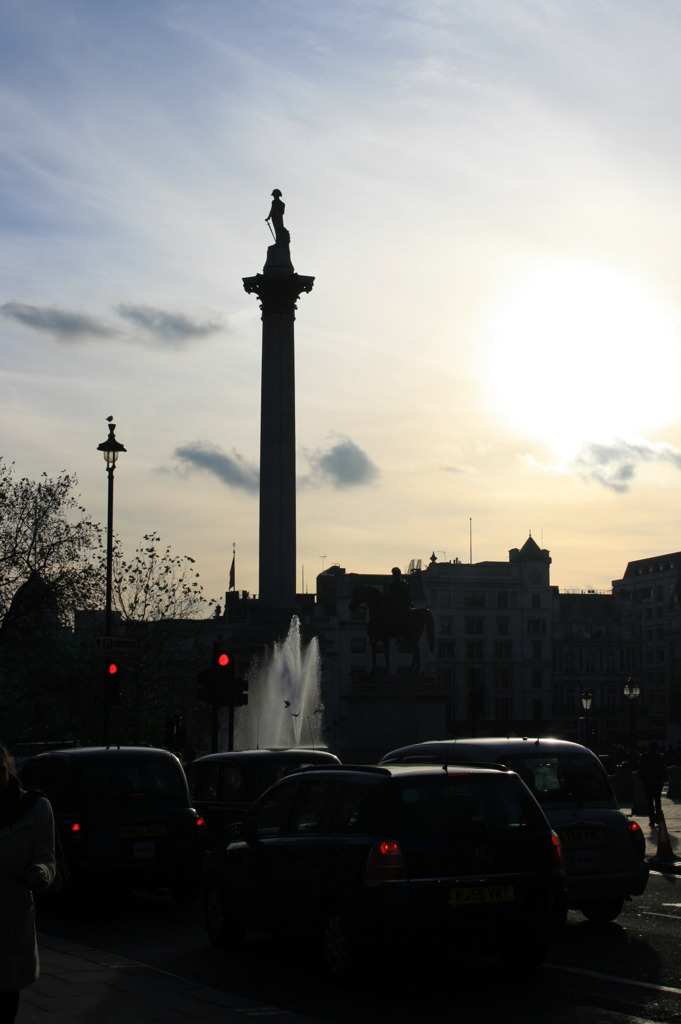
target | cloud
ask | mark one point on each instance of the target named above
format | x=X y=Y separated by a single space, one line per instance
x=232 y=469
x=343 y=465
x=174 y=328
x=63 y=324
x=615 y=465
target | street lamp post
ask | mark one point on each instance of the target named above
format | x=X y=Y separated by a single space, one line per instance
x=632 y=691
x=587 y=699
x=111 y=449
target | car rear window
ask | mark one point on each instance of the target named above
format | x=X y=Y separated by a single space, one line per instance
x=457 y=804
x=157 y=783
x=565 y=777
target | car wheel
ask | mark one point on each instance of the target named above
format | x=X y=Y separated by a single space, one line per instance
x=339 y=946
x=602 y=911
x=223 y=927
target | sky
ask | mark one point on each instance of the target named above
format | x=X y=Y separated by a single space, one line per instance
x=487 y=195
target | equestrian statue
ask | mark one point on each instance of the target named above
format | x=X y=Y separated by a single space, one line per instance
x=393 y=617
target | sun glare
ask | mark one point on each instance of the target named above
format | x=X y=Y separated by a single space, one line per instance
x=583 y=354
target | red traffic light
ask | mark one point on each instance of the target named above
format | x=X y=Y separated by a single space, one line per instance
x=113 y=668
x=223 y=659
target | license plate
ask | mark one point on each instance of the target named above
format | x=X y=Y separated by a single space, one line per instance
x=142 y=830
x=583 y=837
x=482 y=894
x=144 y=851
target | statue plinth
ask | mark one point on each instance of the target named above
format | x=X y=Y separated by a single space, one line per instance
x=278 y=261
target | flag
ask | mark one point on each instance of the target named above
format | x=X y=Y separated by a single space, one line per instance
x=232 y=583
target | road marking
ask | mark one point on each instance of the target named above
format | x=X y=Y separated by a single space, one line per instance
x=616 y=980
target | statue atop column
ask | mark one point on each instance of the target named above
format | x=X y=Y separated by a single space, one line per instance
x=276 y=220
x=278 y=286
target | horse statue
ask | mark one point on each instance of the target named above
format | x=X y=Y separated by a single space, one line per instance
x=381 y=631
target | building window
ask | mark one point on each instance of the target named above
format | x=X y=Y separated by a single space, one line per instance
x=536 y=679
x=503 y=623
x=536 y=600
x=474 y=598
x=536 y=627
x=502 y=598
x=474 y=625
x=503 y=709
x=474 y=650
x=502 y=677
x=536 y=650
x=445 y=650
x=537 y=714
x=446 y=625
x=358 y=614
x=358 y=645
x=502 y=650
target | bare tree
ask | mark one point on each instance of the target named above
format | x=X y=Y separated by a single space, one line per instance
x=44 y=529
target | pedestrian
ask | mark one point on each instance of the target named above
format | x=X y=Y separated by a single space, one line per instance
x=651 y=772
x=27 y=865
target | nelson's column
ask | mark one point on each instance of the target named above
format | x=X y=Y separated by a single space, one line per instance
x=278 y=288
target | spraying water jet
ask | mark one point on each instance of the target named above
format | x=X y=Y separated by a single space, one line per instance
x=284 y=696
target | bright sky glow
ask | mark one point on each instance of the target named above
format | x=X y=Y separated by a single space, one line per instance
x=488 y=197
x=583 y=354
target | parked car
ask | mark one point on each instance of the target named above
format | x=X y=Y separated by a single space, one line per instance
x=337 y=857
x=123 y=817
x=223 y=786
x=603 y=849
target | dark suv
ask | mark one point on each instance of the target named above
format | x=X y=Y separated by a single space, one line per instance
x=337 y=856
x=223 y=786
x=124 y=818
x=604 y=850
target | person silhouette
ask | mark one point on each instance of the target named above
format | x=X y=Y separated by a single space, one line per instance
x=651 y=772
x=397 y=602
x=276 y=217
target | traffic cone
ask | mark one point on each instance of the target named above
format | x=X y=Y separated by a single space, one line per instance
x=664 y=847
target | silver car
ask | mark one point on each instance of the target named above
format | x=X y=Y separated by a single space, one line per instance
x=603 y=849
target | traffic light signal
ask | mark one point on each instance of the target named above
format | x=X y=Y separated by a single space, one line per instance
x=112 y=682
x=218 y=685
x=223 y=669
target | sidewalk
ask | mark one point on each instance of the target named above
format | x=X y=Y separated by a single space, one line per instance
x=672 y=816
x=78 y=985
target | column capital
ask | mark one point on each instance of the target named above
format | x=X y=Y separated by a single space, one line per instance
x=278 y=293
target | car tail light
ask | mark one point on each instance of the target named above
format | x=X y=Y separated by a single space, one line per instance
x=637 y=838
x=557 y=853
x=385 y=863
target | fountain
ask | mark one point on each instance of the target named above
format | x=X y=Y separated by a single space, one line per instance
x=284 y=702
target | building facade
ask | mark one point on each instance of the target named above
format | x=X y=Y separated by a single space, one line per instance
x=511 y=655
